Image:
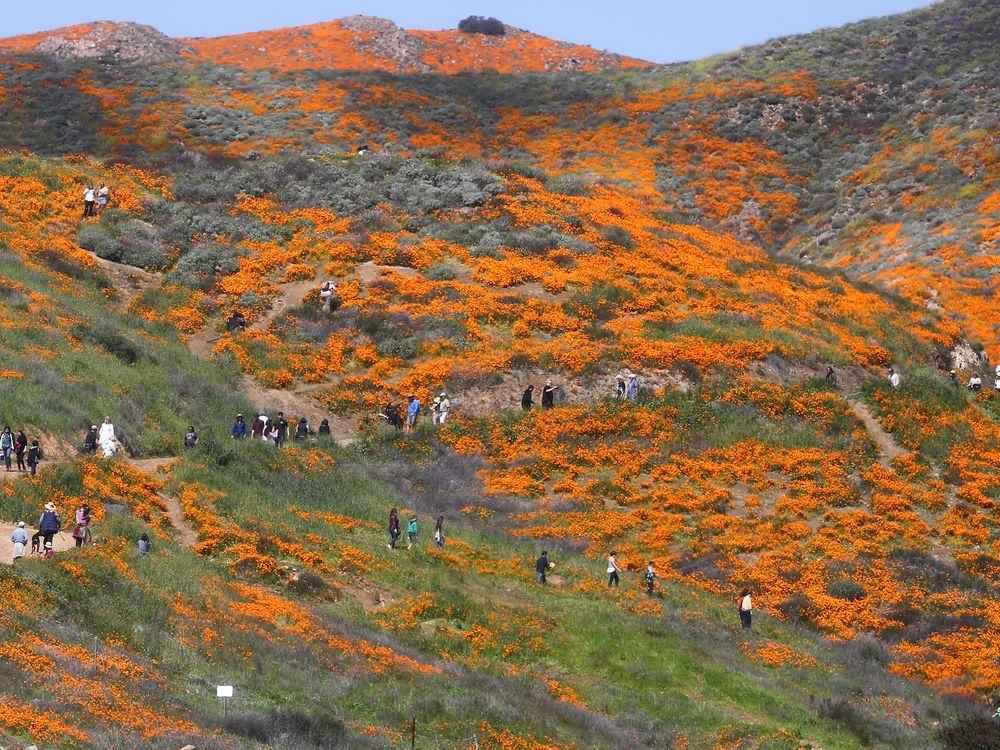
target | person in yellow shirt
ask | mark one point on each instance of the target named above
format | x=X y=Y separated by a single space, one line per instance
x=745 y=607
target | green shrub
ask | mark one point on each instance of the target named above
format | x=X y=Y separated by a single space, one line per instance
x=846 y=589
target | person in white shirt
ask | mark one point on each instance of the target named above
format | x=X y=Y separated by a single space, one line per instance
x=893 y=378
x=106 y=438
x=613 y=569
x=975 y=382
x=89 y=196
x=745 y=607
x=326 y=294
x=443 y=408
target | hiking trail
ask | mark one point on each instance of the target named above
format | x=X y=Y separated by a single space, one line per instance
x=186 y=535
x=887 y=446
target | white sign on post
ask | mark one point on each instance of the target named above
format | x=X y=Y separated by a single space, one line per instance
x=224 y=691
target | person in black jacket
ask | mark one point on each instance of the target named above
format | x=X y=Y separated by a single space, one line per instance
x=282 y=424
x=34 y=456
x=542 y=566
x=302 y=429
x=90 y=440
x=548 y=395
x=324 y=428
x=526 y=400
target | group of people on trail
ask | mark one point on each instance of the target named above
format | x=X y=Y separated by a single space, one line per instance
x=49 y=524
x=274 y=431
x=16 y=450
x=548 y=396
x=627 y=386
x=95 y=200
x=975 y=383
x=440 y=410
x=101 y=439
x=412 y=530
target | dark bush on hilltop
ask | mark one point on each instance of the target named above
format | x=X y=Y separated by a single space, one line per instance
x=480 y=25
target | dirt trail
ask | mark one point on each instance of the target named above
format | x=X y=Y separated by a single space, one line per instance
x=292 y=295
x=295 y=403
x=887 y=445
x=60 y=542
x=128 y=280
x=186 y=536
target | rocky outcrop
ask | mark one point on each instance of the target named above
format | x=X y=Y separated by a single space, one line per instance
x=128 y=42
x=382 y=38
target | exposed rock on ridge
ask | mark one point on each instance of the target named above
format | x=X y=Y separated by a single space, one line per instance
x=129 y=42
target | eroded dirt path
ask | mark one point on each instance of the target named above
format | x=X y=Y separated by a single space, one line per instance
x=887 y=446
x=186 y=535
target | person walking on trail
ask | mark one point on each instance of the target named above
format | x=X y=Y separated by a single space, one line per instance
x=20 y=445
x=831 y=376
x=393 y=528
x=106 y=438
x=272 y=435
x=190 y=437
x=6 y=446
x=412 y=412
x=103 y=197
x=143 y=544
x=542 y=566
x=435 y=409
x=526 y=400
x=48 y=551
x=89 y=197
x=411 y=532
x=633 y=388
x=34 y=456
x=239 y=428
x=649 y=578
x=326 y=295
x=90 y=440
x=19 y=539
x=324 y=428
x=257 y=428
x=443 y=408
x=745 y=607
x=82 y=528
x=613 y=570
x=439 y=532
x=302 y=429
x=282 y=424
x=620 y=388
x=548 y=395
x=49 y=523
x=893 y=378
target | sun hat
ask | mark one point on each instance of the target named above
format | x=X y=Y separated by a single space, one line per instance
x=50 y=506
x=48 y=544
x=93 y=426
x=20 y=524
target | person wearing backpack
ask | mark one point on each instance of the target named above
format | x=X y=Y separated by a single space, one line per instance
x=6 y=446
x=20 y=446
x=411 y=532
x=542 y=566
x=35 y=455
x=49 y=523
x=302 y=429
x=649 y=578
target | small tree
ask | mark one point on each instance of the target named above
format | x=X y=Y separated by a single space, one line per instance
x=480 y=25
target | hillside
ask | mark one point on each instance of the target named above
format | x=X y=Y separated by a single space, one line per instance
x=727 y=230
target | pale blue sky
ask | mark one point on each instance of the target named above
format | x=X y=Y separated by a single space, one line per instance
x=664 y=31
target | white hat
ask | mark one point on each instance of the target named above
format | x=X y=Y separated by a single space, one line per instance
x=20 y=524
x=48 y=544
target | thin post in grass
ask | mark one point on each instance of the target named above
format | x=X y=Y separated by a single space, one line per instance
x=413 y=733
x=95 y=654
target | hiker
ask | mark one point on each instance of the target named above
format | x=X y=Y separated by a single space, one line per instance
x=542 y=566
x=953 y=378
x=190 y=437
x=90 y=440
x=633 y=388
x=257 y=429
x=649 y=578
x=444 y=408
x=893 y=378
x=106 y=438
x=89 y=196
x=411 y=532
x=302 y=429
x=548 y=394
x=19 y=538
x=831 y=376
x=975 y=384
x=49 y=523
x=391 y=415
x=282 y=424
x=435 y=409
x=393 y=528
x=81 y=529
x=273 y=435
x=35 y=455
x=20 y=445
x=143 y=544
x=236 y=322
x=526 y=402
x=745 y=608
x=324 y=428
x=996 y=385
x=620 y=388
x=412 y=412
x=239 y=428
x=103 y=196
x=6 y=446
x=326 y=295
x=48 y=551
x=613 y=570
x=439 y=532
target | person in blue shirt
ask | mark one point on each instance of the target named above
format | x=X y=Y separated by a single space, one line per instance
x=239 y=428
x=19 y=538
x=412 y=411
